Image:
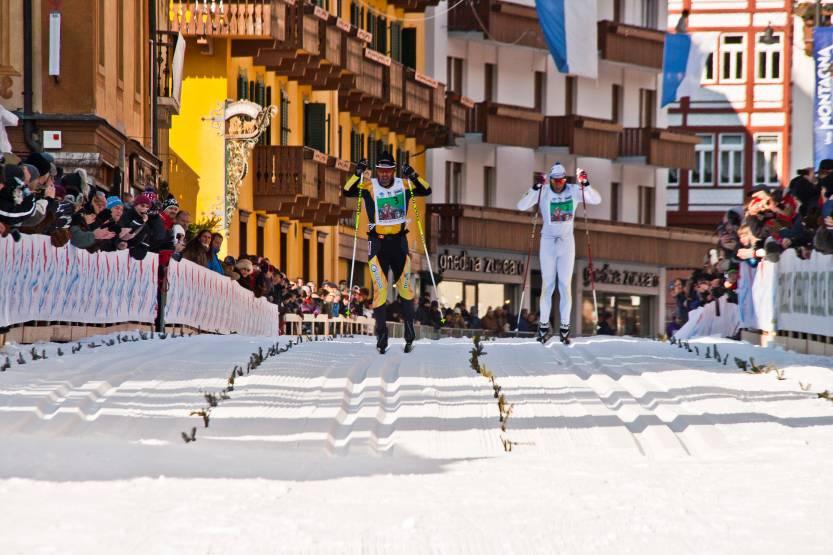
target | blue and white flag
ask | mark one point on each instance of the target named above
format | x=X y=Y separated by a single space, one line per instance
x=823 y=97
x=570 y=30
x=682 y=67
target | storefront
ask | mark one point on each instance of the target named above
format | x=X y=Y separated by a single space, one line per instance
x=481 y=278
x=629 y=296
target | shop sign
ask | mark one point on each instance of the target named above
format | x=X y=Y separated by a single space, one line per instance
x=480 y=264
x=612 y=276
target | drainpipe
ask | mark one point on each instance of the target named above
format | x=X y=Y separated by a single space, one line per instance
x=154 y=123
x=29 y=127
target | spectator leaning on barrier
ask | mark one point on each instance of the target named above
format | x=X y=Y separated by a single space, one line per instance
x=213 y=260
x=245 y=268
x=823 y=240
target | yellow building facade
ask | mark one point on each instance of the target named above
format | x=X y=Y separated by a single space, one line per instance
x=341 y=91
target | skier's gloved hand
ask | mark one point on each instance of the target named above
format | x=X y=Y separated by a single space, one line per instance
x=539 y=181
x=410 y=172
x=361 y=167
x=582 y=178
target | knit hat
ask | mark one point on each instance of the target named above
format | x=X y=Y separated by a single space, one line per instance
x=34 y=173
x=244 y=264
x=113 y=202
x=13 y=176
x=168 y=202
x=145 y=198
x=39 y=161
x=558 y=171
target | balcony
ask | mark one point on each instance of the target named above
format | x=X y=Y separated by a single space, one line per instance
x=659 y=147
x=474 y=227
x=582 y=135
x=457 y=109
x=506 y=125
x=166 y=105
x=629 y=44
x=300 y=183
x=240 y=20
x=413 y=6
x=504 y=21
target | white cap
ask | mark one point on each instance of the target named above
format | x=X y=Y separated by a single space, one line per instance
x=558 y=171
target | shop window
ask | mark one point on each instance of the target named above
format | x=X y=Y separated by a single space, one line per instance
x=731 y=159
x=703 y=172
x=767 y=159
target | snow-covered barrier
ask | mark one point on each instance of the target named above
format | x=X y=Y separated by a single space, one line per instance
x=719 y=317
x=203 y=299
x=39 y=282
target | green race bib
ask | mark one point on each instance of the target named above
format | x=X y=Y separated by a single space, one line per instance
x=561 y=210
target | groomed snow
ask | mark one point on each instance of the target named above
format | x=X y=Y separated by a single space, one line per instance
x=620 y=446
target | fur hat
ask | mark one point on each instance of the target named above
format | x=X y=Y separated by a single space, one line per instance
x=244 y=264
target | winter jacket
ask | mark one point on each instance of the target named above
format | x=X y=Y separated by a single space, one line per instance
x=214 y=262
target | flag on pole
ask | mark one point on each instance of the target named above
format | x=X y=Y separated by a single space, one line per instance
x=569 y=28
x=682 y=66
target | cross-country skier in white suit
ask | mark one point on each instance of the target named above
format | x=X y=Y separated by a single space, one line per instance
x=558 y=204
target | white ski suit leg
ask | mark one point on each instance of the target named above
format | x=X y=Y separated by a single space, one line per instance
x=558 y=257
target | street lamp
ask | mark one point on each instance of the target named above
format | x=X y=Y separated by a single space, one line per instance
x=769 y=36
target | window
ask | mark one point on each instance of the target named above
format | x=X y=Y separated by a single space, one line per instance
x=646 y=205
x=266 y=137
x=319 y=255
x=731 y=61
x=490 y=82
x=102 y=43
x=540 y=90
x=454 y=74
x=315 y=126
x=356 y=146
x=489 y=188
x=120 y=38
x=768 y=60
x=615 y=194
x=409 y=46
x=570 y=95
x=396 y=41
x=371 y=28
x=402 y=157
x=674 y=176
x=284 y=118
x=702 y=174
x=454 y=182
x=305 y=258
x=731 y=159
x=616 y=101
x=243 y=232
x=619 y=11
x=647 y=107
x=380 y=35
x=650 y=13
x=767 y=159
x=708 y=69
x=356 y=15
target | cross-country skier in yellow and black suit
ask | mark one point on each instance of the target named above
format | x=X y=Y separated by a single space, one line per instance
x=386 y=199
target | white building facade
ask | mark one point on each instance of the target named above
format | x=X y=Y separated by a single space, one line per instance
x=528 y=116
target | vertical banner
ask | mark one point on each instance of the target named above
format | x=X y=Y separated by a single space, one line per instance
x=823 y=97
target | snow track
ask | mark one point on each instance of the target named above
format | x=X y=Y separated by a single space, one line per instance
x=622 y=446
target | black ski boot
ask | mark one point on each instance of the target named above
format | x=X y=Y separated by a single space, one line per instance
x=410 y=335
x=543 y=334
x=382 y=342
x=564 y=333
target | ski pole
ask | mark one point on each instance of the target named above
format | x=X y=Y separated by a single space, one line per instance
x=529 y=257
x=424 y=246
x=590 y=261
x=355 y=240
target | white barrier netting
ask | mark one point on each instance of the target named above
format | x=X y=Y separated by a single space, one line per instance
x=204 y=299
x=43 y=283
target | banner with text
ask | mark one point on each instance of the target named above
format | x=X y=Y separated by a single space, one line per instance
x=823 y=97
x=39 y=282
x=805 y=293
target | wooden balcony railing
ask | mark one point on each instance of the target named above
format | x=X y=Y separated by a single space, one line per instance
x=659 y=147
x=457 y=110
x=506 y=125
x=413 y=6
x=629 y=44
x=493 y=228
x=239 y=20
x=504 y=21
x=299 y=183
x=584 y=136
x=167 y=105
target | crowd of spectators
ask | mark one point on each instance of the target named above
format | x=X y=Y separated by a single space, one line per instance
x=771 y=221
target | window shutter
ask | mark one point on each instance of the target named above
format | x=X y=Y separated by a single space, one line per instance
x=315 y=126
x=396 y=41
x=371 y=28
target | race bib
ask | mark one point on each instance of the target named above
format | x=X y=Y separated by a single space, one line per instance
x=561 y=210
x=390 y=203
